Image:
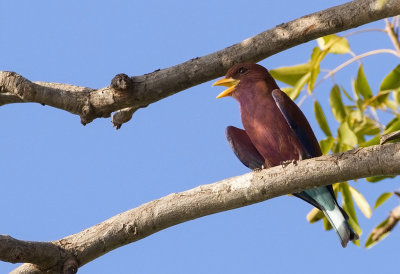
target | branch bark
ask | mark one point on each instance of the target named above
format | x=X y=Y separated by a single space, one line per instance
x=139 y=91
x=247 y=189
x=392 y=220
x=389 y=137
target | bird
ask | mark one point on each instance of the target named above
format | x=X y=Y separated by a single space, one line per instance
x=276 y=132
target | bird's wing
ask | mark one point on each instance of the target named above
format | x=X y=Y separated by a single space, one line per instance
x=300 y=126
x=244 y=148
x=298 y=123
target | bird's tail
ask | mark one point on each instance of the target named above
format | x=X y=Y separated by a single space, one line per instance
x=338 y=219
x=324 y=199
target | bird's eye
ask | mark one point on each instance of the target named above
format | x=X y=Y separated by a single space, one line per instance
x=242 y=70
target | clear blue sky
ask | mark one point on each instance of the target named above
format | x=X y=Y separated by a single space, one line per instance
x=59 y=177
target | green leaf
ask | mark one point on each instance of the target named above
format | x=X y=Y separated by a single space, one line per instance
x=321 y=120
x=344 y=147
x=288 y=91
x=356 y=228
x=315 y=54
x=370 y=241
x=353 y=221
x=367 y=127
x=354 y=116
x=334 y=44
x=347 y=94
x=361 y=85
x=360 y=104
x=348 y=205
x=369 y=130
x=313 y=77
x=326 y=144
x=361 y=202
x=336 y=188
x=335 y=147
x=357 y=242
x=315 y=215
x=327 y=224
x=375 y=179
x=396 y=96
x=290 y=75
x=383 y=198
x=346 y=135
x=354 y=224
x=393 y=125
x=335 y=100
x=379 y=100
x=392 y=80
x=315 y=60
x=391 y=104
x=371 y=142
x=299 y=86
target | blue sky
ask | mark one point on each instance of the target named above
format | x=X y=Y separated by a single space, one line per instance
x=59 y=177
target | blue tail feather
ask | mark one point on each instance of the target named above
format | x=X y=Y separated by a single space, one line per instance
x=323 y=199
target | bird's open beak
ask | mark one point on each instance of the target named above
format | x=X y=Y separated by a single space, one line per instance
x=227 y=82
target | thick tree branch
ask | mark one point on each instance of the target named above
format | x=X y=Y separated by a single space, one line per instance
x=139 y=91
x=227 y=194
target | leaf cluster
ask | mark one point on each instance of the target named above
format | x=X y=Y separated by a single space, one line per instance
x=357 y=119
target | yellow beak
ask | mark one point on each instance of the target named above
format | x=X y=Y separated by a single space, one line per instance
x=226 y=82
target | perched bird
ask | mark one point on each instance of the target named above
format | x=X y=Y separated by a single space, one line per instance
x=276 y=131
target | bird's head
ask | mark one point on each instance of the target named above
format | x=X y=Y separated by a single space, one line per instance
x=240 y=74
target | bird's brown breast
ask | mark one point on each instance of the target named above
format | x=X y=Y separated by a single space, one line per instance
x=267 y=128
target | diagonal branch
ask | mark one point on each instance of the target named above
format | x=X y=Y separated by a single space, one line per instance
x=392 y=220
x=389 y=137
x=247 y=189
x=393 y=35
x=139 y=91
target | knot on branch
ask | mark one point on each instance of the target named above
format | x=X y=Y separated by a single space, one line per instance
x=70 y=266
x=16 y=254
x=122 y=116
x=335 y=22
x=121 y=82
x=18 y=85
x=87 y=113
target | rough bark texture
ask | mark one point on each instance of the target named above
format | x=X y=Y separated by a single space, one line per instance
x=231 y=193
x=139 y=91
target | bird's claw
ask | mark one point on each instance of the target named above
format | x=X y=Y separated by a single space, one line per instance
x=288 y=162
x=259 y=169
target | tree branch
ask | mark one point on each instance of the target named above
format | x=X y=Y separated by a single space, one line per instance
x=139 y=91
x=392 y=35
x=14 y=251
x=247 y=189
x=393 y=219
x=39 y=253
x=389 y=137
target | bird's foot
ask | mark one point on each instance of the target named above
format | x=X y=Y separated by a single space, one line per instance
x=288 y=162
x=259 y=169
